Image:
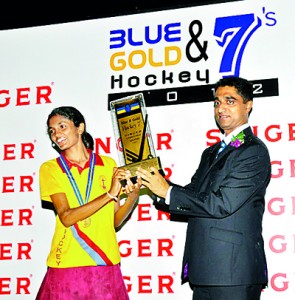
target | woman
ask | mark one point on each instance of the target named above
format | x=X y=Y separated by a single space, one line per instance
x=85 y=189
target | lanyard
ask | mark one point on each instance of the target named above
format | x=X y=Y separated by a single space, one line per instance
x=73 y=182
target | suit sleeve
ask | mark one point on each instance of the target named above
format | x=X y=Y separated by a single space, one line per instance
x=161 y=203
x=221 y=191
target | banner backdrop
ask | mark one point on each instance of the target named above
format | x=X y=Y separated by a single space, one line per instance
x=173 y=57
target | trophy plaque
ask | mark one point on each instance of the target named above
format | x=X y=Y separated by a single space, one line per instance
x=132 y=131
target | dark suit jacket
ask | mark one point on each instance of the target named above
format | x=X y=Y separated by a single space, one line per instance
x=224 y=205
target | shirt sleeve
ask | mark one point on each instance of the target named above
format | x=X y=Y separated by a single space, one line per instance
x=49 y=181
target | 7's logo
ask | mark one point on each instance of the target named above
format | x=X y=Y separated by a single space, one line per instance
x=233 y=33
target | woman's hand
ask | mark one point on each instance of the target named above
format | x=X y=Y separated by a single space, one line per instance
x=132 y=190
x=118 y=175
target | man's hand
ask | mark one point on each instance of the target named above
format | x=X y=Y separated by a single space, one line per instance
x=153 y=180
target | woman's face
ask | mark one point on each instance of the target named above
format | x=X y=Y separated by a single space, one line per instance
x=63 y=132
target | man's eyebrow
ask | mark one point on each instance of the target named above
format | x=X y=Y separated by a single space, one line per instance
x=230 y=97
x=226 y=97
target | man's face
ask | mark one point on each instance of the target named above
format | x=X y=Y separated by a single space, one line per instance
x=229 y=110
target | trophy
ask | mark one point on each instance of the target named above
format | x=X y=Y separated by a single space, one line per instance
x=132 y=131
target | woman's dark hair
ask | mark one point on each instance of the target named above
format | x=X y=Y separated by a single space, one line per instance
x=71 y=113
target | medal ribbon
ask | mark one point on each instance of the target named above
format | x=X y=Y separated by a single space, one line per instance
x=73 y=181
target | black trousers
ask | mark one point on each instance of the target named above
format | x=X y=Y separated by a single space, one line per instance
x=239 y=292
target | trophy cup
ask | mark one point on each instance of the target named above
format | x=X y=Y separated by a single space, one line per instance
x=131 y=129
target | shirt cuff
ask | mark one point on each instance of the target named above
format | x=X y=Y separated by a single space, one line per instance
x=167 y=199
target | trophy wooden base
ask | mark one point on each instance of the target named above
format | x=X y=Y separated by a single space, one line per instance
x=145 y=164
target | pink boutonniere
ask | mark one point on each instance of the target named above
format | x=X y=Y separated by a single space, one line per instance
x=237 y=140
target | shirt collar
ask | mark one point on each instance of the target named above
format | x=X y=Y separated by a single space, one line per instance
x=99 y=162
x=70 y=164
x=227 y=139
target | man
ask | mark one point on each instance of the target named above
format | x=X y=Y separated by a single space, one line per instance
x=224 y=203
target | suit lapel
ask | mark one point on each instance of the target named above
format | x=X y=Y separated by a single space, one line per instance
x=213 y=153
x=228 y=149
